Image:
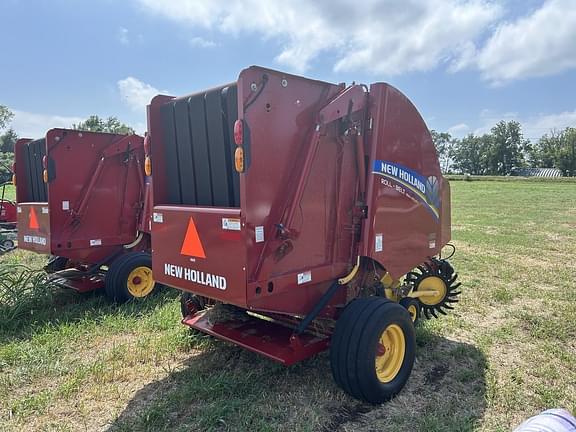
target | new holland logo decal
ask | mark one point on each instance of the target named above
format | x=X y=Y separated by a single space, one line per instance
x=424 y=189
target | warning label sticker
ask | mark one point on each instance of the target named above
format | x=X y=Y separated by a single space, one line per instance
x=304 y=277
x=231 y=224
x=378 y=246
x=259 y=234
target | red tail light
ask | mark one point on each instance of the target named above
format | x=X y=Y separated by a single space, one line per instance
x=238 y=132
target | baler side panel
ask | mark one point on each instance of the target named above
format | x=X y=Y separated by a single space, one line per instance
x=160 y=185
x=95 y=195
x=31 y=160
x=194 y=249
x=34 y=227
x=281 y=118
x=110 y=217
x=21 y=162
x=405 y=200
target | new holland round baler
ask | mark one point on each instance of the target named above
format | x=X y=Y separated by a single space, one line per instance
x=298 y=215
x=83 y=198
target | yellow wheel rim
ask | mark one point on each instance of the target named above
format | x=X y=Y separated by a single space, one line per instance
x=140 y=281
x=432 y=283
x=413 y=311
x=390 y=353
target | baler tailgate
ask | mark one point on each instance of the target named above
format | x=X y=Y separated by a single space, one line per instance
x=201 y=250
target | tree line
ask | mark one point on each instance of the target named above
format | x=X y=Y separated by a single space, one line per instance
x=504 y=149
x=498 y=152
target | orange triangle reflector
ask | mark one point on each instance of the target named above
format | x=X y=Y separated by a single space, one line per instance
x=33 y=219
x=192 y=245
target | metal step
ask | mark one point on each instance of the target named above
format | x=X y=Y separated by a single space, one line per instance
x=81 y=284
x=272 y=340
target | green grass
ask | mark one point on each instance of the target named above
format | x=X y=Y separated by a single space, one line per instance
x=9 y=192
x=508 y=351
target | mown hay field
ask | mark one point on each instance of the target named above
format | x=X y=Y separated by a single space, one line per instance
x=75 y=362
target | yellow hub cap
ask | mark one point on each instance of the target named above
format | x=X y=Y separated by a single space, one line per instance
x=390 y=353
x=413 y=311
x=140 y=281
x=435 y=284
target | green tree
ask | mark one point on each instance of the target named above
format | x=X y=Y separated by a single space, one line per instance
x=556 y=150
x=445 y=144
x=544 y=153
x=566 y=161
x=470 y=154
x=5 y=116
x=6 y=160
x=7 y=141
x=109 y=125
x=507 y=148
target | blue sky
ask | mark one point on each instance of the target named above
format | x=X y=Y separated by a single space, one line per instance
x=464 y=63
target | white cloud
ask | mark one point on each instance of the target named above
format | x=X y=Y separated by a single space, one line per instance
x=536 y=126
x=136 y=94
x=540 y=44
x=200 y=42
x=35 y=125
x=459 y=130
x=533 y=126
x=381 y=36
x=123 y=36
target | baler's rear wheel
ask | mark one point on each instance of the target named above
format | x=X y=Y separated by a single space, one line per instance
x=437 y=281
x=130 y=277
x=373 y=349
x=8 y=244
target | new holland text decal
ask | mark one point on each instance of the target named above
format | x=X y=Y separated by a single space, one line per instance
x=196 y=276
x=425 y=190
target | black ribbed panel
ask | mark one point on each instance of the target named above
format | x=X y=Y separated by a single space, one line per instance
x=199 y=149
x=34 y=152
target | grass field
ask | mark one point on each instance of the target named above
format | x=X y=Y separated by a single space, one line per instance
x=73 y=362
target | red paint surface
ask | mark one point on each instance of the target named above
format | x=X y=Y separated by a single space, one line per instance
x=269 y=339
x=7 y=211
x=107 y=208
x=330 y=222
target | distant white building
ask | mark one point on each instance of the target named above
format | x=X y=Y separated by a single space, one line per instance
x=536 y=172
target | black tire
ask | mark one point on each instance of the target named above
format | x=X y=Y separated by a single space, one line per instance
x=413 y=307
x=354 y=347
x=117 y=284
x=8 y=244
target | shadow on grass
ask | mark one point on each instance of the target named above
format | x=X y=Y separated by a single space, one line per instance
x=227 y=388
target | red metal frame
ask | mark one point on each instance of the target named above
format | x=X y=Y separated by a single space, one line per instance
x=7 y=212
x=334 y=173
x=96 y=199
